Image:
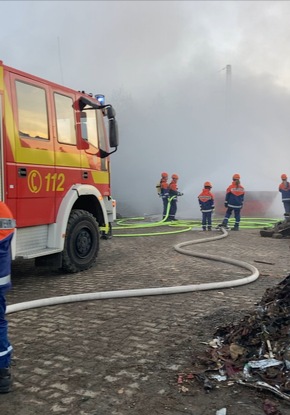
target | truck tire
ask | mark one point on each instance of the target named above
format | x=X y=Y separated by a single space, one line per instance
x=82 y=242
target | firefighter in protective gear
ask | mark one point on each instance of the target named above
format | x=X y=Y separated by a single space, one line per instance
x=173 y=194
x=284 y=189
x=206 y=203
x=234 y=201
x=163 y=192
x=7 y=225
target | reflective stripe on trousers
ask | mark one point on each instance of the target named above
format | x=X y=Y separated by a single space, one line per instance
x=5 y=346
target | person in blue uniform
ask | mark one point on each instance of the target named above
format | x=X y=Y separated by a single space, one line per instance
x=173 y=195
x=284 y=189
x=7 y=225
x=163 y=192
x=206 y=204
x=234 y=201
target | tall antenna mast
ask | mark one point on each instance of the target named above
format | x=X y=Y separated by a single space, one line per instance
x=59 y=59
x=228 y=88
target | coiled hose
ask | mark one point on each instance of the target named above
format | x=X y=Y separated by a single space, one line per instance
x=151 y=291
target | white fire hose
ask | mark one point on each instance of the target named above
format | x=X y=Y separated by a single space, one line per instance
x=151 y=291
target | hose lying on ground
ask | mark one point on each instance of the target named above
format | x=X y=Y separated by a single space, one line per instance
x=151 y=291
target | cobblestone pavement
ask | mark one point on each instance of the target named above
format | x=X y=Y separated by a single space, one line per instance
x=122 y=356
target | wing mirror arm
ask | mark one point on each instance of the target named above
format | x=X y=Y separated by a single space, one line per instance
x=103 y=154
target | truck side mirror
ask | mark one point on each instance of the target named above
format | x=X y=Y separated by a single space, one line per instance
x=113 y=133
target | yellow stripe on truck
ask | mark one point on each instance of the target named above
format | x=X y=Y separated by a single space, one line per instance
x=101 y=177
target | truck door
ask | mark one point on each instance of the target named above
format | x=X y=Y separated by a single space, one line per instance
x=33 y=155
x=93 y=167
x=67 y=154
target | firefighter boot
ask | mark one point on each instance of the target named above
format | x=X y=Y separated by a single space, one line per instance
x=224 y=224
x=209 y=228
x=204 y=228
x=5 y=380
x=236 y=227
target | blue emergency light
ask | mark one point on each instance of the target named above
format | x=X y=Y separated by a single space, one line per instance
x=100 y=98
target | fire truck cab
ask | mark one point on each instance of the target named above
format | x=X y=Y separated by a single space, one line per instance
x=55 y=169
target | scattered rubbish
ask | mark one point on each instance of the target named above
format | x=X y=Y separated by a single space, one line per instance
x=286 y=357
x=266 y=386
x=215 y=343
x=220 y=378
x=180 y=379
x=280 y=230
x=264 y=262
x=270 y=408
x=263 y=364
x=222 y=411
x=270 y=349
x=255 y=352
x=183 y=389
x=236 y=351
x=206 y=382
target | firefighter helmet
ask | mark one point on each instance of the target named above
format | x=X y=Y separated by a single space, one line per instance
x=236 y=176
x=164 y=175
x=207 y=184
x=284 y=176
x=174 y=176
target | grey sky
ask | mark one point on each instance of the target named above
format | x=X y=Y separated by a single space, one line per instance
x=160 y=63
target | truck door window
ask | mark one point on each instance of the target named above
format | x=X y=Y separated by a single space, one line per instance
x=96 y=134
x=32 y=111
x=65 y=119
x=102 y=138
x=101 y=131
x=92 y=128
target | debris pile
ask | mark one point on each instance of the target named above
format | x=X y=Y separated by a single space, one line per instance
x=280 y=230
x=254 y=352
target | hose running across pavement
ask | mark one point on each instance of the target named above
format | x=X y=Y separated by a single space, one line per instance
x=181 y=225
x=151 y=291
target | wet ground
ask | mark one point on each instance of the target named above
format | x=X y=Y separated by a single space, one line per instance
x=124 y=356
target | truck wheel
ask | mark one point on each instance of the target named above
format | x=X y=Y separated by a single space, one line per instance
x=81 y=242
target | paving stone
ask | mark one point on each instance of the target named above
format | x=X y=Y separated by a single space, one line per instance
x=105 y=356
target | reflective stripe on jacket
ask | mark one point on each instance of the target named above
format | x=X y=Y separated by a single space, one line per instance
x=206 y=200
x=235 y=196
x=7 y=225
x=5 y=261
x=285 y=191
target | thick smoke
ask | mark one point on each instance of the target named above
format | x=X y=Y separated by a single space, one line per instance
x=163 y=67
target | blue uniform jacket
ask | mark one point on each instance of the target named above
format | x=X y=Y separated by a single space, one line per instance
x=5 y=261
x=206 y=201
x=235 y=196
x=285 y=191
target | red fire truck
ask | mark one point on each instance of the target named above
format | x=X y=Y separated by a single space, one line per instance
x=55 y=169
